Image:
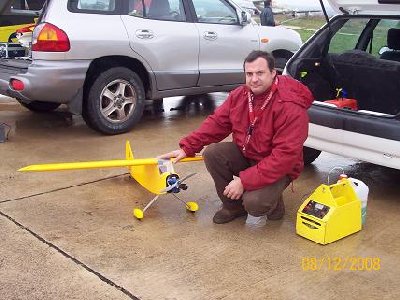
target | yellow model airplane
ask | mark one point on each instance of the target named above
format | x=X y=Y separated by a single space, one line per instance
x=155 y=175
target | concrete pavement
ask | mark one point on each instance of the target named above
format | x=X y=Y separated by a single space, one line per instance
x=71 y=234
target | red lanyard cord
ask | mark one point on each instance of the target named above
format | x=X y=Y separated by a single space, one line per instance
x=253 y=115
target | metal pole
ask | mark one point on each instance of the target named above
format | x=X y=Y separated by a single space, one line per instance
x=151 y=202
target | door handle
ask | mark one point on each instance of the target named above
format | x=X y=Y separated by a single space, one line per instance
x=210 y=35
x=144 y=34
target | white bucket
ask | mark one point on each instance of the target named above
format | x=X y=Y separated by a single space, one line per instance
x=362 y=191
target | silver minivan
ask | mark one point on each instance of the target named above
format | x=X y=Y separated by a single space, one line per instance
x=352 y=66
x=103 y=58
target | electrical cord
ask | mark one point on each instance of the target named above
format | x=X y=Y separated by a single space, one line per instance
x=334 y=168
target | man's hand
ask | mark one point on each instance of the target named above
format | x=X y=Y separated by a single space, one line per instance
x=234 y=190
x=178 y=154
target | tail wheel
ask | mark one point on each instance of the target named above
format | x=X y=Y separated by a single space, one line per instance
x=115 y=101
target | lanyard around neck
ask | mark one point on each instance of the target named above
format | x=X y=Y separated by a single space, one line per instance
x=253 y=115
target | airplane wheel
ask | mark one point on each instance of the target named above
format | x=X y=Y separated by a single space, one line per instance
x=192 y=206
x=138 y=213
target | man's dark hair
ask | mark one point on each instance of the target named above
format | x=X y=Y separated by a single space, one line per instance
x=260 y=54
x=267 y=3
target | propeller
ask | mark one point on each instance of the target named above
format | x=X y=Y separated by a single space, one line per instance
x=174 y=184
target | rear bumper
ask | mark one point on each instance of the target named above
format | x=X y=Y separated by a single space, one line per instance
x=359 y=135
x=8 y=68
x=49 y=81
x=362 y=146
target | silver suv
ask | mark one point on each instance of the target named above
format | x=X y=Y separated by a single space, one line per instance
x=104 y=58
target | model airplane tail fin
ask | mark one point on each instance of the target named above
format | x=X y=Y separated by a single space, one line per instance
x=129 y=156
x=128 y=151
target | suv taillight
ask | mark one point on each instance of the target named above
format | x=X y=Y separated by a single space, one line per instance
x=49 y=38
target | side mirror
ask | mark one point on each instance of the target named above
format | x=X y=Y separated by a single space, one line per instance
x=245 y=18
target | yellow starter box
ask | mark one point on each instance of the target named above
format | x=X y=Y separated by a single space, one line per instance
x=330 y=213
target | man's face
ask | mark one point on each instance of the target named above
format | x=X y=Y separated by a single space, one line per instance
x=258 y=76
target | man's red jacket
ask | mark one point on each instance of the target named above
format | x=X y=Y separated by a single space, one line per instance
x=277 y=140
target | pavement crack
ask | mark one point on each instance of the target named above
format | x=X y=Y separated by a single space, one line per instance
x=64 y=188
x=74 y=259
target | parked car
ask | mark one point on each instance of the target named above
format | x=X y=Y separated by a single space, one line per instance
x=104 y=58
x=355 y=58
x=24 y=35
x=15 y=15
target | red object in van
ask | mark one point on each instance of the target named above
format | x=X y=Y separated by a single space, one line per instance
x=344 y=103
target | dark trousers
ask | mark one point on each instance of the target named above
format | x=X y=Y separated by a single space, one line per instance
x=225 y=160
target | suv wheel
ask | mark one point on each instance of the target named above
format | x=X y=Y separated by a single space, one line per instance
x=40 y=106
x=309 y=155
x=280 y=63
x=115 y=101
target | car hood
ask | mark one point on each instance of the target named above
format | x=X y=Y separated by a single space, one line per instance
x=365 y=7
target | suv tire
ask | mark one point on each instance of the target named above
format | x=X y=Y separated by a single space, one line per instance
x=115 y=101
x=309 y=155
x=40 y=106
x=280 y=63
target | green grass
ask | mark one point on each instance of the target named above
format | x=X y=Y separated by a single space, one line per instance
x=304 y=25
x=347 y=36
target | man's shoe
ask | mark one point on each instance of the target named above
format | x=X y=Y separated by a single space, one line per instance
x=278 y=212
x=225 y=215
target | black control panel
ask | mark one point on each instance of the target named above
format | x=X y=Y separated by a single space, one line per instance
x=316 y=209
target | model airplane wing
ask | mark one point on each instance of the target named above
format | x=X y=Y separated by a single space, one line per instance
x=99 y=164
